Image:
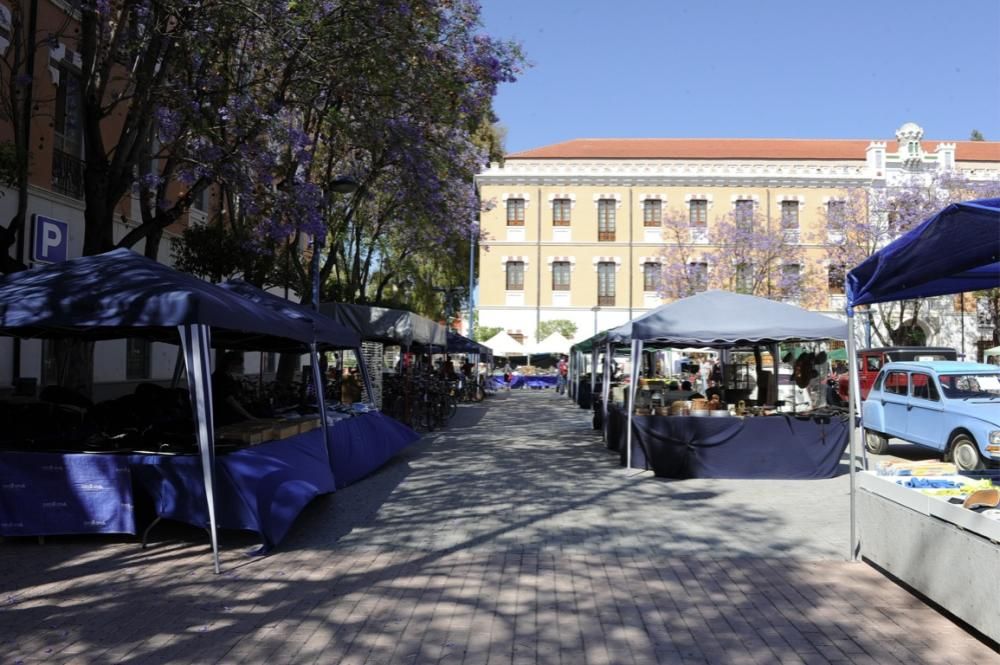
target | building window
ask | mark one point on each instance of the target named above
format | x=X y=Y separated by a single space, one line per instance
x=698 y=277
x=560 y=275
x=835 y=278
x=651 y=276
x=914 y=149
x=199 y=201
x=560 y=212
x=515 y=212
x=836 y=216
x=791 y=274
x=744 y=278
x=743 y=214
x=652 y=212
x=698 y=212
x=515 y=275
x=606 y=283
x=790 y=215
x=67 y=145
x=137 y=359
x=606 y=219
x=270 y=363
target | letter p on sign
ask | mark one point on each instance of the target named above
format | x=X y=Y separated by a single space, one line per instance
x=51 y=240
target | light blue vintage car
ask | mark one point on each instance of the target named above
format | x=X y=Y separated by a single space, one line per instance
x=949 y=406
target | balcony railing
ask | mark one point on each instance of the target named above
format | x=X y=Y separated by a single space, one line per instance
x=67 y=174
x=606 y=236
x=605 y=300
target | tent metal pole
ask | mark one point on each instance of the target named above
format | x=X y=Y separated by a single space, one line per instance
x=593 y=371
x=318 y=385
x=636 y=350
x=852 y=368
x=196 y=341
x=606 y=390
x=178 y=367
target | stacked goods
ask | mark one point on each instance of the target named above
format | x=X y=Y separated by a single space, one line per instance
x=918 y=468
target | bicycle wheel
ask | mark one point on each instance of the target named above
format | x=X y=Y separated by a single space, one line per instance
x=451 y=406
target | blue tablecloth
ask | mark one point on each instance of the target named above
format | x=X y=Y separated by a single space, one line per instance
x=764 y=447
x=362 y=444
x=534 y=382
x=54 y=493
x=261 y=489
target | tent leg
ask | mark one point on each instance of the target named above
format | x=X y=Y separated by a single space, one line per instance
x=633 y=384
x=196 y=341
x=318 y=384
x=852 y=368
x=605 y=391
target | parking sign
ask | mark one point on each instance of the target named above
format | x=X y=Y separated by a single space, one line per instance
x=51 y=240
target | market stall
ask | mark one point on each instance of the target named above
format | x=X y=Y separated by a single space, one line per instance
x=734 y=445
x=87 y=299
x=358 y=441
x=925 y=525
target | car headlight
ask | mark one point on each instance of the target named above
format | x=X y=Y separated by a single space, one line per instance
x=995 y=437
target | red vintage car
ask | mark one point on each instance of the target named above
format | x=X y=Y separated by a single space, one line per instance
x=870 y=362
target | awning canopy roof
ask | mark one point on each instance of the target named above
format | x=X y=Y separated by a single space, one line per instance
x=503 y=344
x=122 y=294
x=720 y=319
x=328 y=332
x=462 y=344
x=955 y=251
x=389 y=326
x=553 y=344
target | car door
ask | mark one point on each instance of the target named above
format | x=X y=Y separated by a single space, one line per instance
x=924 y=420
x=895 y=399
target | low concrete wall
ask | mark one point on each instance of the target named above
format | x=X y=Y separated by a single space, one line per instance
x=957 y=569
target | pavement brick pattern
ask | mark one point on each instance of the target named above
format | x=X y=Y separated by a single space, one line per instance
x=512 y=537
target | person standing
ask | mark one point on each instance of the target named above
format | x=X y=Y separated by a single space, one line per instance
x=563 y=373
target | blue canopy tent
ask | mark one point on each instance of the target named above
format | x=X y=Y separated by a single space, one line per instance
x=122 y=294
x=954 y=251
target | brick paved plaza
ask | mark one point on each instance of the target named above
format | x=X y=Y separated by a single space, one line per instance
x=512 y=537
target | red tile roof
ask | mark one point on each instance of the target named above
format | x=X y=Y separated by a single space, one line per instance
x=972 y=151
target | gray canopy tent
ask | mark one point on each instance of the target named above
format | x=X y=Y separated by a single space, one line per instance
x=388 y=326
x=721 y=320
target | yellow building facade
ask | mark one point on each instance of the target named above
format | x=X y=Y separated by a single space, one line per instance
x=579 y=230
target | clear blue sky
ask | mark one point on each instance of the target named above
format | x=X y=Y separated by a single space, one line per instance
x=749 y=68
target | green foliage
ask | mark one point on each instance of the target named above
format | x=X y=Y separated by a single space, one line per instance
x=484 y=333
x=976 y=135
x=564 y=327
x=213 y=252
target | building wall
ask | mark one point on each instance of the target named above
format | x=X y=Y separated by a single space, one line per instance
x=629 y=182
x=59 y=28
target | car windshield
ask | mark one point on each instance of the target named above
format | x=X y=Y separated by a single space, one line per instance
x=964 y=386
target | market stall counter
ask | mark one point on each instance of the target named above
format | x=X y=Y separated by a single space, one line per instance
x=262 y=488
x=51 y=493
x=776 y=446
x=361 y=444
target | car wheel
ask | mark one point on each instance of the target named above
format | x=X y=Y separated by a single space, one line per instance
x=965 y=453
x=877 y=444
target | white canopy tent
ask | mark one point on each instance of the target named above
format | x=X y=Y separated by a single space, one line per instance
x=505 y=345
x=553 y=344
